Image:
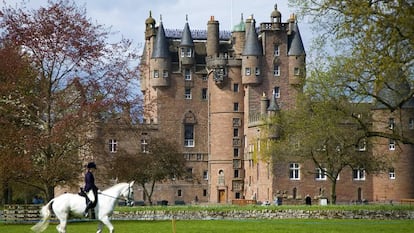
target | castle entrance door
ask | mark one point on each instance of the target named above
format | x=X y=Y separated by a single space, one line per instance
x=222 y=196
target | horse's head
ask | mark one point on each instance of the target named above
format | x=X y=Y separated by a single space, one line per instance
x=128 y=192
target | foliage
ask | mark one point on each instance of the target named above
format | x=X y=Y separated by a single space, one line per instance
x=326 y=132
x=162 y=161
x=76 y=76
x=367 y=48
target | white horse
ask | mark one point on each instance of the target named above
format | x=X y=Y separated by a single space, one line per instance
x=75 y=205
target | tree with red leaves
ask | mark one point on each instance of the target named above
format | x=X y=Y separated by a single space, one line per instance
x=78 y=77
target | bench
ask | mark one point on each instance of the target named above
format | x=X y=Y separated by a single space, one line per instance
x=179 y=202
x=407 y=200
x=243 y=202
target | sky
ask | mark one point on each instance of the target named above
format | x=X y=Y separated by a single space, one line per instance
x=127 y=17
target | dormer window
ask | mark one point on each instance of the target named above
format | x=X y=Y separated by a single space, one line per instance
x=186 y=52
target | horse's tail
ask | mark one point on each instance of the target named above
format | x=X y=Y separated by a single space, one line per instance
x=45 y=214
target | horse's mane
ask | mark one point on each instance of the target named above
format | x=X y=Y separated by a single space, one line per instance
x=116 y=186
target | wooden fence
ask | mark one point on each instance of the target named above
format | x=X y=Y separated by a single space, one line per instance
x=21 y=213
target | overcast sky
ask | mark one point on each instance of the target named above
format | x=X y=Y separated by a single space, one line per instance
x=127 y=17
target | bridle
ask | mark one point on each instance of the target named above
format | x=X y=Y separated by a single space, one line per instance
x=128 y=198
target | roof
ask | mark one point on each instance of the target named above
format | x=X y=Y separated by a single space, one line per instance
x=161 y=45
x=295 y=42
x=186 y=38
x=252 y=46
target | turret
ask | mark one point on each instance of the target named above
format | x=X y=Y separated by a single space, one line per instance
x=212 y=43
x=276 y=18
x=251 y=57
x=186 y=47
x=160 y=62
x=149 y=26
x=296 y=53
x=239 y=35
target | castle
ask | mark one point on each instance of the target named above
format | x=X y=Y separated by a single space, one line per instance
x=210 y=89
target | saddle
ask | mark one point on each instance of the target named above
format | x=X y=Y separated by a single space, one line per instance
x=89 y=203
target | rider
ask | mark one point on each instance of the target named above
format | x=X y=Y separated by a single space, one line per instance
x=90 y=188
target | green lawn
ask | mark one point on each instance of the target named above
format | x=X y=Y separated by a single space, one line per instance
x=236 y=226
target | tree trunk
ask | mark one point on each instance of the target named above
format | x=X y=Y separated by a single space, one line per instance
x=50 y=192
x=333 y=192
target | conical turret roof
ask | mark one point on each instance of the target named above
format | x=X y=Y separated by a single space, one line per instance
x=161 y=45
x=186 y=38
x=295 y=42
x=252 y=46
x=273 y=106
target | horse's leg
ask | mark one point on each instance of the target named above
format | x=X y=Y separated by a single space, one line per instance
x=105 y=220
x=99 y=227
x=61 y=228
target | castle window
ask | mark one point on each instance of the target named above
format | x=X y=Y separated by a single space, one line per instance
x=235 y=132
x=187 y=94
x=236 y=107
x=236 y=173
x=179 y=193
x=186 y=52
x=391 y=123
x=294 y=171
x=247 y=71
x=204 y=93
x=235 y=87
x=411 y=123
x=205 y=175
x=113 y=143
x=296 y=71
x=358 y=174
x=221 y=177
x=235 y=152
x=276 y=51
x=276 y=70
x=391 y=145
x=144 y=145
x=391 y=173
x=165 y=74
x=204 y=77
x=320 y=174
x=276 y=92
x=187 y=74
x=257 y=71
x=156 y=74
x=362 y=146
x=188 y=135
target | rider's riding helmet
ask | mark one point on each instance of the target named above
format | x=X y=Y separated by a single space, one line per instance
x=91 y=165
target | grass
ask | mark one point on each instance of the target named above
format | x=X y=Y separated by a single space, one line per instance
x=235 y=226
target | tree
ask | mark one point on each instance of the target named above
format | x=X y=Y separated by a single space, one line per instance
x=370 y=54
x=78 y=77
x=16 y=80
x=161 y=162
x=325 y=133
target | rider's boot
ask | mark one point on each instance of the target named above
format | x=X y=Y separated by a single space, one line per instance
x=88 y=204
